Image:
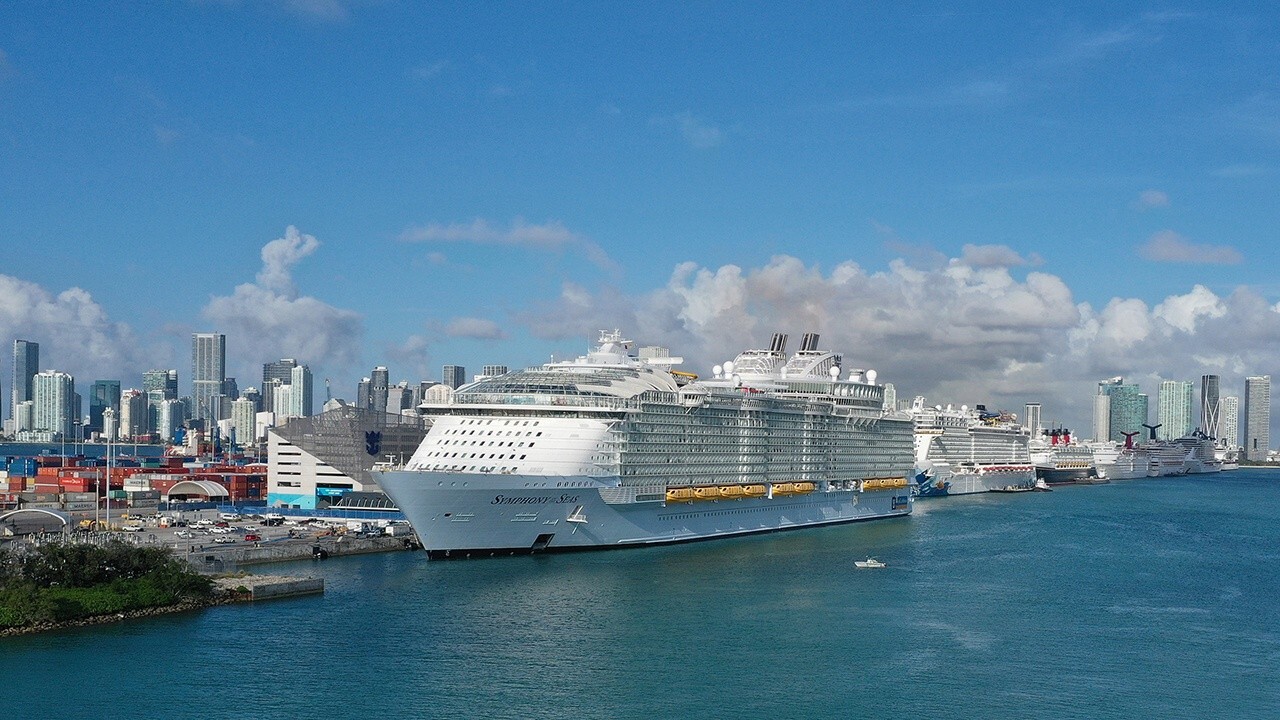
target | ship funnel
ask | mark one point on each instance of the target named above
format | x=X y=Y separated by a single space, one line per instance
x=779 y=343
x=809 y=342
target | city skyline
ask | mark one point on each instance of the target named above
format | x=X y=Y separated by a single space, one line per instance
x=998 y=207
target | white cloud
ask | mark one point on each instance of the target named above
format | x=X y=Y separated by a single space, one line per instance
x=1169 y=246
x=280 y=255
x=1184 y=311
x=552 y=235
x=1150 y=199
x=964 y=332
x=267 y=319
x=990 y=256
x=475 y=328
x=75 y=333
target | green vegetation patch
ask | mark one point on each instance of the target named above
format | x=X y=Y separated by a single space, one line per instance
x=65 y=581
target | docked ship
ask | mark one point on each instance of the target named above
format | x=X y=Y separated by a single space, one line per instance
x=614 y=449
x=964 y=451
x=1167 y=458
x=1201 y=455
x=1121 y=462
x=1059 y=461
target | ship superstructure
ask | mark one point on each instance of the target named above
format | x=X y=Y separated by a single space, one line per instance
x=612 y=449
x=963 y=451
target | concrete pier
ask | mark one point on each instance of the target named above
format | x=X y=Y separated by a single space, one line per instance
x=266 y=587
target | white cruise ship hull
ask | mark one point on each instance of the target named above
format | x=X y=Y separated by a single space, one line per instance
x=472 y=515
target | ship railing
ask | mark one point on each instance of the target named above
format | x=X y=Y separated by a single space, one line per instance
x=541 y=400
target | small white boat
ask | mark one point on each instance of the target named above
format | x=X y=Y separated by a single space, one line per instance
x=869 y=563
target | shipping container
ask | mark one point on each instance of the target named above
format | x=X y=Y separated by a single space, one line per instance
x=80 y=505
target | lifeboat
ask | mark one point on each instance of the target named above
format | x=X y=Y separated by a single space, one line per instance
x=871 y=484
x=682 y=494
x=783 y=488
x=731 y=491
x=753 y=490
x=709 y=492
x=805 y=487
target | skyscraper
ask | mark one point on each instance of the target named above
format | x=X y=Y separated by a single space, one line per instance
x=1229 y=419
x=1256 y=418
x=26 y=363
x=208 y=374
x=301 y=392
x=379 y=381
x=133 y=414
x=275 y=373
x=1031 y=418
x=1174 y=413
x=55 y=397
x=455 y=376
x=1210 y=421
x=1118 y=408
x=103 y=395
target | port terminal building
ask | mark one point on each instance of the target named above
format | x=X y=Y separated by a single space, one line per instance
x=324 y=461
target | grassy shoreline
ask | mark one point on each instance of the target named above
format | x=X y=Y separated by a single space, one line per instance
x=68 y=584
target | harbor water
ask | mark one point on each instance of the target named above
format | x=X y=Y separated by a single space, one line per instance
x=1144 y=598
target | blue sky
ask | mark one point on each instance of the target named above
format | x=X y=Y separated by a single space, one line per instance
x=985 y=202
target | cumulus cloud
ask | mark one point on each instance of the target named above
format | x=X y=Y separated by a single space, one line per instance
x=280 y=255
x=550 y=236
x=1150 y=199
x=965 y=332
x=268 y=319
x=1168 y=246
x=75 y=333
x=475 y=328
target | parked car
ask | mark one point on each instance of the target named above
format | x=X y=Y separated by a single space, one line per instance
x=253 y=537
x=184 y=534
x=131 y=527
x=223 y=539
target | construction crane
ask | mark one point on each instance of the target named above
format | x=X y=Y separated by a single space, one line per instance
x=327 y=394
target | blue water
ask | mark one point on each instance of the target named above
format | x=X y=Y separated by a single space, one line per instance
x=1138 y=599
x=91 y=450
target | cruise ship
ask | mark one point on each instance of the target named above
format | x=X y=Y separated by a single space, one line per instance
x=614 y=449
x=965 y=451
x=1121 y=462
x=1060 y=461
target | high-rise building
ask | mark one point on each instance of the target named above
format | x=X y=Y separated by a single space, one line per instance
x=494 y=370
x=164 y=382
x=208 y=374
x=1031 y=418
x=379 y=382
x=170 y=416
x=55 y=396
x=890 y=397
x=133 y=414
x=364 y=393
x=300 y=392
x=1175 y=410
x=275 y=373
x=455 y=376
x=26 y=363
x=1209 y=419
x=103 y=395
x=1229 y=419
x=244 y=419
x=1255 y=426
x=1123 y=410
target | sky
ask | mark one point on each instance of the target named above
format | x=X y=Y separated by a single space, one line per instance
x=996 y=203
